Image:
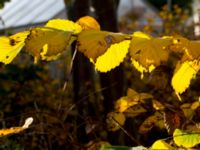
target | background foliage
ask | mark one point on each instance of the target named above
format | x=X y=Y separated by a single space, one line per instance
x=78 y=113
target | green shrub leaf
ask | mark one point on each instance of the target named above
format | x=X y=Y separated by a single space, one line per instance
x=186 y=139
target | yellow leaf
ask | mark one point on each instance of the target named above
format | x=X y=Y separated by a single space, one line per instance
x=115 y=120
x=47 y=43
x=154 y=120
x=124 y=103
x=65 y=25
x=147 y=50
x=132 y=98
x=183 y=75
x=134 y=111
x=113 y=56
x=137 y=97
x=13 y=130
x=88 y=23
x=185 y=139
x=187 y=110
x=190 y=49
x=131 y=92
x=94 y=43
x=11 y=46
x=195 y=105
x=161 y=145
x=142 y=69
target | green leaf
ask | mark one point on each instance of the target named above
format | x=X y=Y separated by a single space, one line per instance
x=186 y=139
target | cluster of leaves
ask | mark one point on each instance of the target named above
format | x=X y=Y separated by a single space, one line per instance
x=162 y=116
x=185 y=4
x=171 y=19
x=106 y=50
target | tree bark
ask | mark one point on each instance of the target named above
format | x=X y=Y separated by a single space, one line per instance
x=83 y=74
x=113 y=81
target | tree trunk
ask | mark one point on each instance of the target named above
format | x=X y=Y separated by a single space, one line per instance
x=83 y=74
x=113 y=81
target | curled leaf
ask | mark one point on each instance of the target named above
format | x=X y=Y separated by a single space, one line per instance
x=14 y=130
x=154 y=120
x=88 y=23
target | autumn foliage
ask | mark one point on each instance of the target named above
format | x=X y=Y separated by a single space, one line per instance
x=167 y=106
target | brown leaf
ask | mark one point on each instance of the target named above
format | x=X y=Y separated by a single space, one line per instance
x=173 y=119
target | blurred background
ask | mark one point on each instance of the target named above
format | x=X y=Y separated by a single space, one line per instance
x=70 y=105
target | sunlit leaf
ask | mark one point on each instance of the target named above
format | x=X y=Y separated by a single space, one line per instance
x=142 y=69
x=132 y=98
x=115 y=120
x=47 y=43
x=154 y=120
x=161 y=145
x=11 y=46
x=88 y=23
x=148 y=51
x=112 y=57
x=186 y=139
x=65 y=25
x=124 y=103
x=184 y=74
x=94 y=43
x=14 y=130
